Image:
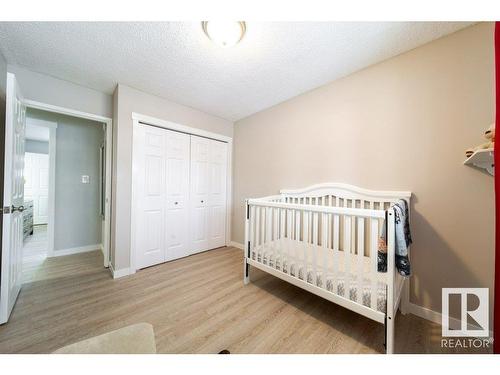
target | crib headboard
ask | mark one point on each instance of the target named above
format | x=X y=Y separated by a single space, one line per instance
x=344 y=195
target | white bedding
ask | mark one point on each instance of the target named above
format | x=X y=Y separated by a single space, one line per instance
x=296 y=268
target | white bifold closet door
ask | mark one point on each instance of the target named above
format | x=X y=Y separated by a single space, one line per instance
x=163 y=195
x=180 y=195
x=208 y=193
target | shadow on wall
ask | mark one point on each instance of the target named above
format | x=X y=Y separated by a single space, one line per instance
x=429 y=244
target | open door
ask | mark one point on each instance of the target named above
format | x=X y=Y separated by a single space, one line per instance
x=13 y=199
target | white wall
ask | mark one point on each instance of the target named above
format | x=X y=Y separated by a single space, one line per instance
x=127 y=100
x=37 y=147
x=50 y=90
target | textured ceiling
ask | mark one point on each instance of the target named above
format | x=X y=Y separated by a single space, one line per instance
x=274 y=62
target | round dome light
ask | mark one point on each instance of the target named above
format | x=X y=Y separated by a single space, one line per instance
x=224 y=33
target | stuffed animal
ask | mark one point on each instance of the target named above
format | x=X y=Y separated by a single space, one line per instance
x=489 y=134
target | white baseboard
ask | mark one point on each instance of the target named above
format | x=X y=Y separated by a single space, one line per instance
x=119 y=273
x=236 y=244
x=436 y=317
x=425 y=313
x=76 y=250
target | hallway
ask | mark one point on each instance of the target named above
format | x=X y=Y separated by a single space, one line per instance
x=34 y=253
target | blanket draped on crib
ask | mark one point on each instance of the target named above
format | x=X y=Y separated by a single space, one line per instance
x=402 y=241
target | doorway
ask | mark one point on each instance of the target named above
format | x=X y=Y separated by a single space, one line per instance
x=18 y=108
x=39 y=171
x=65 y=195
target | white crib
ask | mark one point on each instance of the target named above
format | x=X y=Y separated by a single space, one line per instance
x=324 y=239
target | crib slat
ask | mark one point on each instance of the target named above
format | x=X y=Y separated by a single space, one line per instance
x=336 y=245
x=347 y=252
x=330 y=254
x=347 y=256
x=374 y=232
x=275 y=234
x=262 y=229
x=305 y=243
x=257 y=232
x=262 y=233
x=269 y=234
x=361 y=255
x=315 y=246
x=282 y=238
x=252 y=231
x=324 y=247
x=297 y=242
x=289 y=240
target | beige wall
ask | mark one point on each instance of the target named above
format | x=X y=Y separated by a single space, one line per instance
x=399 y=125
x=125 y=101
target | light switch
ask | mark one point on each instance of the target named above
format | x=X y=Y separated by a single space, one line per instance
x=85 y=179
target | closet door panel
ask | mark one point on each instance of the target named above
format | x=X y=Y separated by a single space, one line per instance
x=200 y=187
x=217 y=198
x=177 y=209
x=152 y=239
x=150 y=184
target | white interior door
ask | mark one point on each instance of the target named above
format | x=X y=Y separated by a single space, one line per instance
x=12 y=232
x=200 y=192
x=217 y=194
x=36 y=187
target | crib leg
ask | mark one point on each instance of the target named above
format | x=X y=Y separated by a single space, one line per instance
x=246 y=250
x=389 y=335
x=246 y=272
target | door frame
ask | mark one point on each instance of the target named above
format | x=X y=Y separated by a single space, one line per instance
x=169 y=125
x=52 y=179
x=106 y=235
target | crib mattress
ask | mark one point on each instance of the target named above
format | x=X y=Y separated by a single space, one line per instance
x=296 y=268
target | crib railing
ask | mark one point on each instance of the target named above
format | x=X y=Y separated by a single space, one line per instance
x=336 y=245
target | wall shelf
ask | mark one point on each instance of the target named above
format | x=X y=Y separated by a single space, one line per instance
x=482 y=159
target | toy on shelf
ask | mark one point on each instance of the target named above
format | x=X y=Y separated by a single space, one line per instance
x=489 y=134
x=482 y=156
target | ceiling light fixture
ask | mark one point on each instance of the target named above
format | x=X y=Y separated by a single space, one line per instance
x=224 y=33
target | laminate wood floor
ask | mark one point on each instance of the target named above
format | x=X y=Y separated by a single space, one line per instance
x=34 y=253
x=197 y=305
